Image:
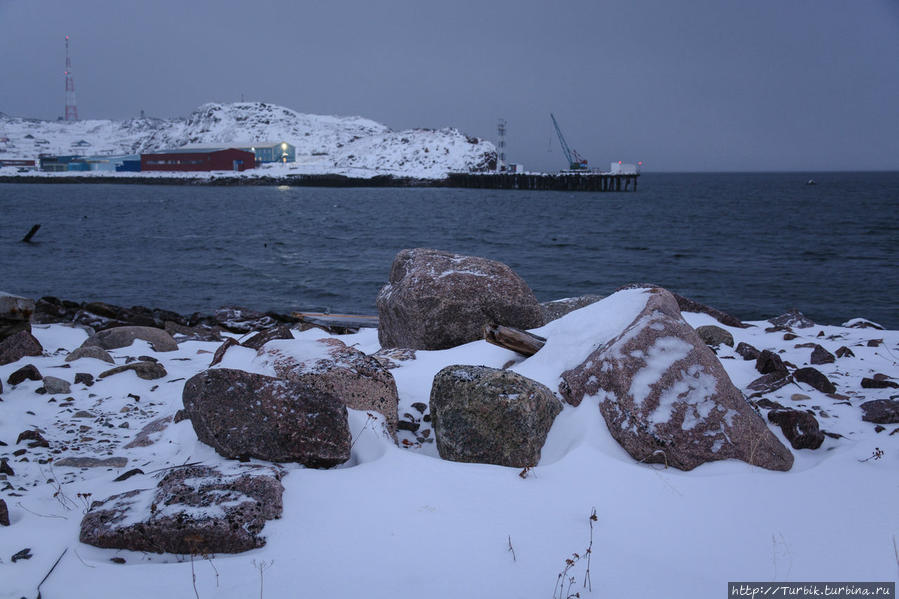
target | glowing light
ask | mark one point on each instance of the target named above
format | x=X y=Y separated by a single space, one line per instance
x=284 y=146
x=619 y=162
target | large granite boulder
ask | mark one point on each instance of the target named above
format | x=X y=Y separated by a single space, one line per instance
x=194 y=510
x=490 y=416
x=17 y=346
x=666 y=398
x=243 y=414
x=15 y=314
x=437 y=300
x=118 y=337
x=330 y=366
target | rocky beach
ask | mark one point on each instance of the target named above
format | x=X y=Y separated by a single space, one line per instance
x=170 y=453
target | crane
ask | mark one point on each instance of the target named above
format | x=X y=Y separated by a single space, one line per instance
x=576 y=162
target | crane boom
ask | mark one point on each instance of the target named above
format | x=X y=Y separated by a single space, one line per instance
x=575 y=161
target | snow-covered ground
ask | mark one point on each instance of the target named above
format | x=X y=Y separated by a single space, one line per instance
x=397 y=521
x=351 y=146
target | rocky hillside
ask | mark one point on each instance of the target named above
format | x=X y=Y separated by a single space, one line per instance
x=324 y=143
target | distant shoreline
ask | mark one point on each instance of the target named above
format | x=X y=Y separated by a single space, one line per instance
x=566 y=181
x=316 y=180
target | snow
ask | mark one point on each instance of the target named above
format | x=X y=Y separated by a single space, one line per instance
x=349 y=146
x=396 y=521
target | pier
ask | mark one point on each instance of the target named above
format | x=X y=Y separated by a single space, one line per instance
x=565 y=181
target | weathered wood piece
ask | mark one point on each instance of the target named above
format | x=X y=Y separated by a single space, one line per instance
x=522 y=342
x=30 y=234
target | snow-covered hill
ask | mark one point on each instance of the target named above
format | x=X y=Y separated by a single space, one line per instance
x=348 y=145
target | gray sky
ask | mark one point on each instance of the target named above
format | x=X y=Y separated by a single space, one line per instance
x=686 y=85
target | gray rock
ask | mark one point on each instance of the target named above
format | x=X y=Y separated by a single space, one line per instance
x=813 y=377
x=558 y=308
x=800 y=428
x=666 y=398
x=243 y=414
x=144 y=438
x=878 y=383
x=490 y=416
x=263 y=337
x=29 y=372
x=87 y=462
x=769 y=362
x=15 y=314
x=822 y=356
x=844 y=352
x=185 y=333
x=437 y=300
x=118 y=337
x=149 y=371
x=17 y=346
x=84 y=378
x=881 y=411
x=793 y=319
x=243 y=320
x=768 y=383
x=4 y=513
x=714 y=336
x=55 y=386
x=195 y=510
x=358 y=380
x=747 y=351
x=90 y=351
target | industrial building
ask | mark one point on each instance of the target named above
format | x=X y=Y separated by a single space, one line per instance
x=198 y=159
x=264 y=151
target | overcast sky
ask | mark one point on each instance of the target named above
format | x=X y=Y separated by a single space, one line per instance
x=683 y=85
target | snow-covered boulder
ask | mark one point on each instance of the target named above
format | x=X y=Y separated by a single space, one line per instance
x=491 y=416
x=437 y=300
x=196 y=510
x=245 y=414
x=667 y=399
x=360 y=381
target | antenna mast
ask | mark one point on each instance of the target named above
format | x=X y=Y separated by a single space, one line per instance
x=71 y=107
x=501 y=158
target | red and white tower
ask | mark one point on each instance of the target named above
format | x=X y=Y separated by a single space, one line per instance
x=71 y=108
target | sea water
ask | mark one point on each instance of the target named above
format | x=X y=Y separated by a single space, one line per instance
x=754 y=245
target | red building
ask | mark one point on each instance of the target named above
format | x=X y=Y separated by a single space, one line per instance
x=198 y=160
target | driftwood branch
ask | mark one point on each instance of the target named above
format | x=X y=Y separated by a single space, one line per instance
x=517 y=340
x=31 y=233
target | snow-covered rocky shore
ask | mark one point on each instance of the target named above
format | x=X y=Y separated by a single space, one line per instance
x=354 y=147
x=395 y=520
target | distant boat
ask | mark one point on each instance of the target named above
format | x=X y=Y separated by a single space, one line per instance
x=811 y=182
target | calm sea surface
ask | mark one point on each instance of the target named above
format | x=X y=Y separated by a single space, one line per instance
x=754 y=245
